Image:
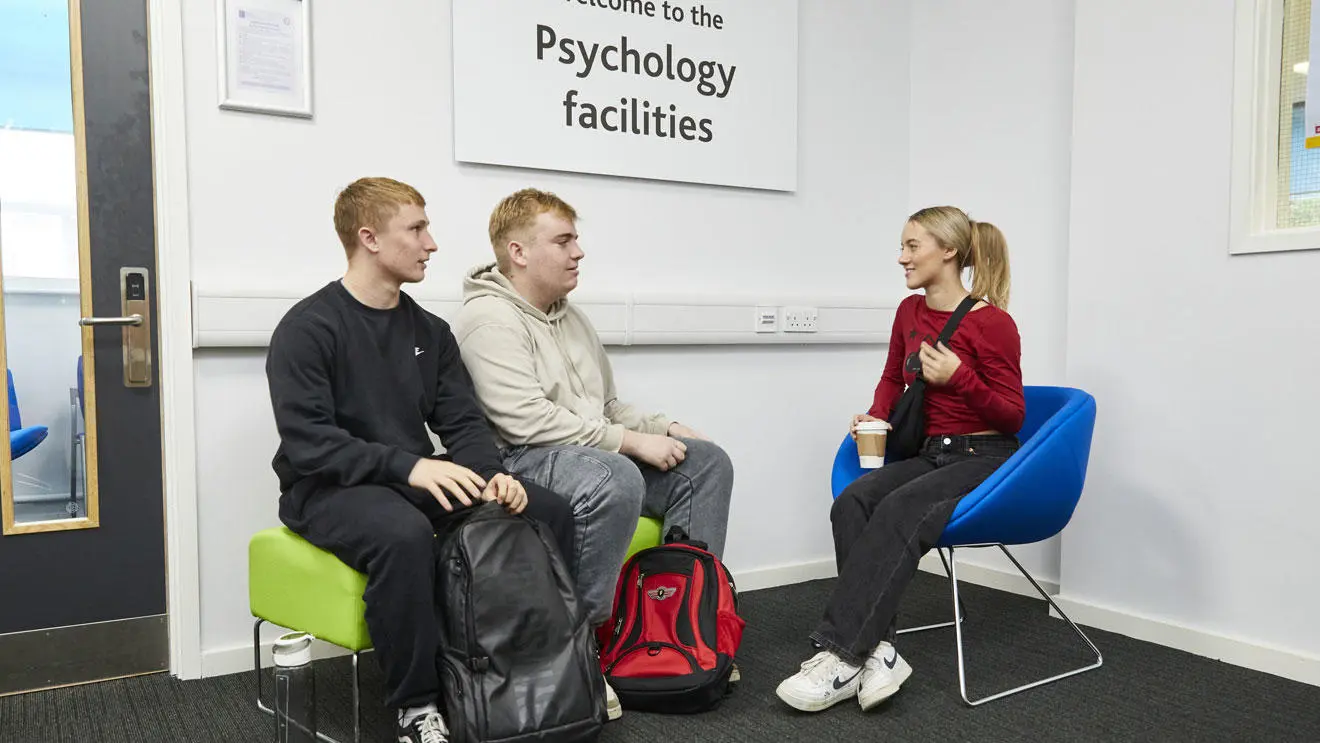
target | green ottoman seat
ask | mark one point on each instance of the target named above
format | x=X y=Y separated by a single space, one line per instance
x=647 y=535
x=293 y=584
x=297 y=585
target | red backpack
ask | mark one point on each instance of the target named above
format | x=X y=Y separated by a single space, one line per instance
x=671 y=641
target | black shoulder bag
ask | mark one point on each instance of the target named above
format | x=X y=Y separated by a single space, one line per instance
x=907 y=422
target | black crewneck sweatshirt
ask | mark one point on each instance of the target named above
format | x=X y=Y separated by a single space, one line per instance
x=354 y=389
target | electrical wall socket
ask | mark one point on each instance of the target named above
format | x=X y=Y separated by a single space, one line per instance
x=767 y=319
x=800 y=319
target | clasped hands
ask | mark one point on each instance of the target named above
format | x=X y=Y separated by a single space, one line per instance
x=444 y=479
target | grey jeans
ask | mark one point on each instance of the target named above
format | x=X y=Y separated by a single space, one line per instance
x=609 y=492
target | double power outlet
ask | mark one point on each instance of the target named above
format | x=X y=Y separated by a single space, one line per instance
x=794 y=319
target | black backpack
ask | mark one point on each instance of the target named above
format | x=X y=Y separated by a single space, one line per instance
x=519 y=660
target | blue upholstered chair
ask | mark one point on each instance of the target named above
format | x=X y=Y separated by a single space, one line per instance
x=1029 y=498
x=21 y=439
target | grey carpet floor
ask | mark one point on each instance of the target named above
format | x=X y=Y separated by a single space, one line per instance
x=1143 y=692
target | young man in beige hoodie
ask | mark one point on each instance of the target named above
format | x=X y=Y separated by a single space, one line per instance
x=545 y=382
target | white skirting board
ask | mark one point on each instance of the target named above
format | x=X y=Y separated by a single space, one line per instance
x=238 y=659
x=1240 y=652
x=1237 y=651
x=246 y=318
x=990 y=577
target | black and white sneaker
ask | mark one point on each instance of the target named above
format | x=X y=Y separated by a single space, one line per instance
x=823 y=681
x=427 y=728
x=884 y=672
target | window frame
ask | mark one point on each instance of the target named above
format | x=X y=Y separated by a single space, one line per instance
x=1257 y=56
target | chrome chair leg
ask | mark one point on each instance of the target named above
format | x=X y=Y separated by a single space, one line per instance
x=962 y=675
x=357 y=709
x=960 y=612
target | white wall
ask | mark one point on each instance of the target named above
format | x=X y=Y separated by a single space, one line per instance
x=261 y=191
x=991 y=128
x=1200 y=503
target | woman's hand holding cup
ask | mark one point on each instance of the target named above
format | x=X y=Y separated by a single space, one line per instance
x=870 y=433
x=858 y=419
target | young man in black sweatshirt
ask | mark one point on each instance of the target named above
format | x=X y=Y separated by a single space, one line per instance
x=357 y=372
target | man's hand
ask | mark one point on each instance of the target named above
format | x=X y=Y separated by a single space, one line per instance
x=679 y=431
x=661 y=452
x=852 y=430
x=506 y=491
x=938 y=363
x=441 y=477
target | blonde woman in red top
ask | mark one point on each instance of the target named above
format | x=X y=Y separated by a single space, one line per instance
x=887 y=519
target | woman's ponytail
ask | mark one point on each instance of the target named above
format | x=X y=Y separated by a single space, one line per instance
x=989 y=264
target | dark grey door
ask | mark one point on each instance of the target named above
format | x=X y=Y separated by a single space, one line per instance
x=82 y=555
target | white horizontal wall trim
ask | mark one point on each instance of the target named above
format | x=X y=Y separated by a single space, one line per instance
x=246 y=318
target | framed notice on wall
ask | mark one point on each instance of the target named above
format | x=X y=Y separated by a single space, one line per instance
x=682 y=90
x=265 y=56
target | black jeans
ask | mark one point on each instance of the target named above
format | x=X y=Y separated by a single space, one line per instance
x=388 y=532
x=884 y=522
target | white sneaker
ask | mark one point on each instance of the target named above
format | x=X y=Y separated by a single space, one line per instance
x=613 y=709
x=825 y=680
x=882 y=674
x=424 y=728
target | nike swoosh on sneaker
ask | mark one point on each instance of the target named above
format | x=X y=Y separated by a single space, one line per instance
x=839 y=682
x=890 y=662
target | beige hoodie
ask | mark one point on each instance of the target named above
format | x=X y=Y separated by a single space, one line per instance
x=542 y=378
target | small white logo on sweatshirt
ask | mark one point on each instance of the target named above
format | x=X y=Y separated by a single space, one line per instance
x=417 y=351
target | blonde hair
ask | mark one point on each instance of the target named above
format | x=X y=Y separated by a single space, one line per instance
x=517 y=212
x=980 y=246
x=370 y=202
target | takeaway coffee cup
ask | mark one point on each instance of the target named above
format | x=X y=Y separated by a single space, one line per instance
x=871 y=443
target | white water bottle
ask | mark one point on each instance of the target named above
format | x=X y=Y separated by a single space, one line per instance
x=295 y=689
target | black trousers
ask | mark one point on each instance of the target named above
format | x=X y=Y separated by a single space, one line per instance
x=388 y=533
x=884 y=522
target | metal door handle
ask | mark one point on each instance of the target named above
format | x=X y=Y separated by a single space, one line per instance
x=130 y=320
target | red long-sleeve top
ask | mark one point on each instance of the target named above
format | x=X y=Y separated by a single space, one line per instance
x=984 y=394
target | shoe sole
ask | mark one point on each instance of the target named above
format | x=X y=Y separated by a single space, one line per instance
x=876 y=696
x=812 y=705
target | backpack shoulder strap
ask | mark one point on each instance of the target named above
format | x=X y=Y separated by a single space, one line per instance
x=964 y=307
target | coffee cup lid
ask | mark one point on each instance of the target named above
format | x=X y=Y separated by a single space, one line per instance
x=872 y=427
